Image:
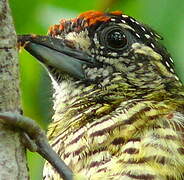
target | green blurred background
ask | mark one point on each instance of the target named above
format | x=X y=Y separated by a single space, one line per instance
x=35 y=16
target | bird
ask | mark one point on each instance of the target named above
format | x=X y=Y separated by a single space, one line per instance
x=118 y=102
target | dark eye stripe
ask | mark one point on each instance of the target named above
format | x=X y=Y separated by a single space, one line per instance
x=146 y=35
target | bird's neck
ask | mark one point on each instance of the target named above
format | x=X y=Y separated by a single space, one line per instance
x=70 y=95
x=78 y=106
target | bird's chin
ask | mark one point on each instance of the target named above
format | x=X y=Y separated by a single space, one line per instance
x=56 y=55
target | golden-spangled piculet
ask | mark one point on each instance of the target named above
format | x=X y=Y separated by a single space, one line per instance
x=118 y=103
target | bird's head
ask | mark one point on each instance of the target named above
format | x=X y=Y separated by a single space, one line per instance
x=110 y=50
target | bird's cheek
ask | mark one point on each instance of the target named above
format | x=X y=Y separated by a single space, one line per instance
x=97 y=74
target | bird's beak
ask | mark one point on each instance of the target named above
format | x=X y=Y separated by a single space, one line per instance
x=55 y=53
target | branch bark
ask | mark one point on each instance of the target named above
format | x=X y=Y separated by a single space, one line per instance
x=13 y=165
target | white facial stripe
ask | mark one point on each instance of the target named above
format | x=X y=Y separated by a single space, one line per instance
x=81 y=40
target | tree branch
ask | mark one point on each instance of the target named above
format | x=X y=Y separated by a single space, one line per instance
x=36 y=141
x=13 y=163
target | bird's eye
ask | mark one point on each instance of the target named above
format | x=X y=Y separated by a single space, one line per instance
x=114 y=38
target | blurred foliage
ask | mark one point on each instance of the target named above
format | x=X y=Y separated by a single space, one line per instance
x=33 y=16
